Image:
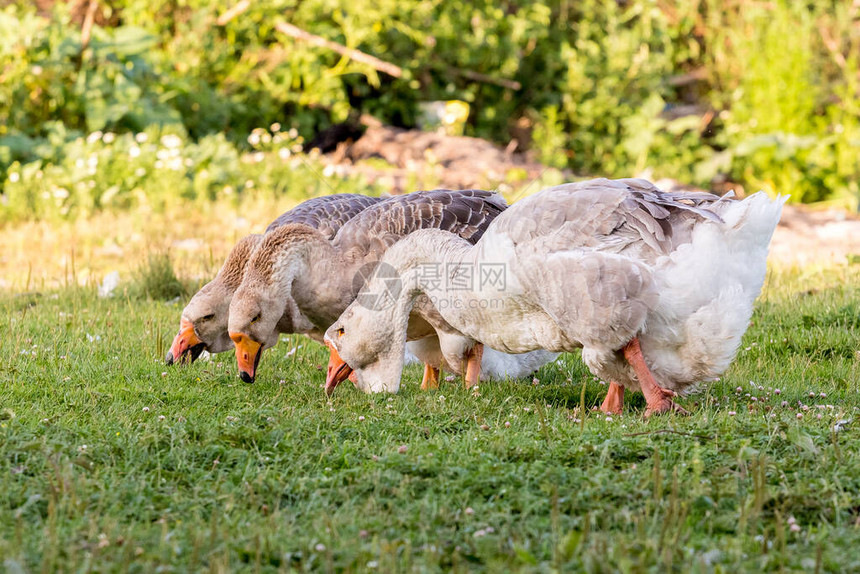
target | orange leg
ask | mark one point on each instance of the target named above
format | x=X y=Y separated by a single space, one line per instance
x=659 y=400
x=473 y=365
x=613 y=404
x=431 y=378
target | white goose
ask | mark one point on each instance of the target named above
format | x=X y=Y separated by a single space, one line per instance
x=203 y=324
x=296 y=274
x=656 y=288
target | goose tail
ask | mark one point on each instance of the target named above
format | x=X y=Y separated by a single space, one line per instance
x=708 y=289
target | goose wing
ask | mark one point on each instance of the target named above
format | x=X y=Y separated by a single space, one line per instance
x=629 y=216
x=327 y=213
x=466 y=213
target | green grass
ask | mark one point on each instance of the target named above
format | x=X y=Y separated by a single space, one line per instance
x=275 y=477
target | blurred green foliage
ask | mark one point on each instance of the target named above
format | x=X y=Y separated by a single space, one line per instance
x=716 y=93
x=158 y=170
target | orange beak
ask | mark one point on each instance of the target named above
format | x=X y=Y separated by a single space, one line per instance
x=248 y=353
x=338 y=371
x=185 y=345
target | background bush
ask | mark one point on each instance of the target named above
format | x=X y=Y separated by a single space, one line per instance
x=720 y=94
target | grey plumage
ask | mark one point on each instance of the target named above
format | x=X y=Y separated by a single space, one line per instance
x=466 y=213
x=327 y=213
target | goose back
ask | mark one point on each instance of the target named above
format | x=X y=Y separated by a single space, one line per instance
x=466 y=213
x=327 y=213
x=625 y=216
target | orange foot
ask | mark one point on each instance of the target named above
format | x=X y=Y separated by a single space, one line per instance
x=664 y=404
x=613 y=404
x=659 y=400
x=472 y=373
x=431 y=378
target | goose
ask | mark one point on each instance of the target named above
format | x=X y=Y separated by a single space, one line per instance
x=295 y=273
x=656 y=288
x=203 y=323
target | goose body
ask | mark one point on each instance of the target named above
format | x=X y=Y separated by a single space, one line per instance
x=296 y=274
x=203 y=324
x=632 y=275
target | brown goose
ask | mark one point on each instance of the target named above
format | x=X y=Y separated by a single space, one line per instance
x=296 y=274
x=203 y=325
x=656 y=288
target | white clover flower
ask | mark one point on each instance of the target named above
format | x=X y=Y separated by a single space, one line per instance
x=284 y=153
x=171 y=141
x=134 y=152
x=140 y=137
x=94 y=137
x=275 y=127
x=109 y=137
x=14 y=177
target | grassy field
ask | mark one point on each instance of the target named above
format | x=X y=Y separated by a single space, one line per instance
x=110 y=461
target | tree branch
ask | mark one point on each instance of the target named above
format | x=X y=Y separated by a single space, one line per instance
x=351 y=53
x=240 y=7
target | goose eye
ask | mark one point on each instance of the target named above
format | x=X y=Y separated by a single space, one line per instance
x=207 y=317
x=340 y=332
x=256 y=318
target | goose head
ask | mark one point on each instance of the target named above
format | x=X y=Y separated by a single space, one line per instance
x=203 y=325
x=253 y=328
x=367 y=345
x=263 y=305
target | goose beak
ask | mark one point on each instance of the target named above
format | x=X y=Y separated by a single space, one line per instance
x=186 y=344
x=338 y=371
x=248 y=352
